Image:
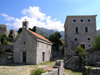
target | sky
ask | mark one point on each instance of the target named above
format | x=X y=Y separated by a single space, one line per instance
x=50 y=14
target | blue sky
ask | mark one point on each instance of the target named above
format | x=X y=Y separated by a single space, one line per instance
x=50 y=14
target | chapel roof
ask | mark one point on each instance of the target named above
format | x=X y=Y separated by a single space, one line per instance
x=39 y=36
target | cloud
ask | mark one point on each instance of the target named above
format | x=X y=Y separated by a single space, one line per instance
x=98 y=28
x=35 y=18
x=7 y=18
x=33 y=12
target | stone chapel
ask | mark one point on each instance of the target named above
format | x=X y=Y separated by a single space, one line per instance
x=30 y=47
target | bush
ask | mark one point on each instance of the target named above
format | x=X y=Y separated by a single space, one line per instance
x=96 y=44
x=79 y=50
x=37 y=72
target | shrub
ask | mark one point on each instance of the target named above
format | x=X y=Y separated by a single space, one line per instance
x=96 y=44
x=37 y=72
x=79 y=50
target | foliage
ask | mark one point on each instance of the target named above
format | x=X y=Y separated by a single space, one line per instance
x=37 y=72
x=62 y=47
x=19 y=30
x=82 y=59
x=34 y=29
x=3 y=39
x=55 y=39
x=8 y=38
x=11 y=31
x=86 y=70
x=96 y=44
x=79 y=50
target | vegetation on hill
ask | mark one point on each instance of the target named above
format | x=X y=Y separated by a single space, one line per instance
x=98 y=32
x=33 y=29
x=3 y=41
x=55 y=39
x=96 y=44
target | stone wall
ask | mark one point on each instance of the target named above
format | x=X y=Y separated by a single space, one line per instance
x=6 y=59
x=4 y=29
x=88 y=70
x=57 y=70
x=93 y=58
x=95 y=71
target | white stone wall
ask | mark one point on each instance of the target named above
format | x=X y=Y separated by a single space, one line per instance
x=29 y=47
x=43 y=46
x=82 y=36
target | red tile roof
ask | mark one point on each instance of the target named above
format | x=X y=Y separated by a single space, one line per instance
x=39 y=36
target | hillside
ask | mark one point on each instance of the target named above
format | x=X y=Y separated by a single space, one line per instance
x=46 y=32
x=98 y=32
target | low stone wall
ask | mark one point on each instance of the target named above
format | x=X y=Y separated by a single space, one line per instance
x=73 y=63
x=4 y=60
x=87 y=70
x=52 y=72
x=95 y=71
x=57 y=70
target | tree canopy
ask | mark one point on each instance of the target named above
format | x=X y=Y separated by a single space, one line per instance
x=55 y=39
x=33 y=29
x=96 y=44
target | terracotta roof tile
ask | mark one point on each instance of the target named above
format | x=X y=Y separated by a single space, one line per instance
x=39 y=36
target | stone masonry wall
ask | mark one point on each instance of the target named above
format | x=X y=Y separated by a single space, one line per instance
x=57 y=70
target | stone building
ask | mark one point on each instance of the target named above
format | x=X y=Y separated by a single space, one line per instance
x=4 y=29
x=79 y=31
x=30 y=47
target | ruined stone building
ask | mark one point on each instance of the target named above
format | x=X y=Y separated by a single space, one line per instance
x=79 y=31
x=4 y=29
x=30 y=47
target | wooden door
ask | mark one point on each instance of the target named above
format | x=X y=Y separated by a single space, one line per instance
x=83 y=46
x=24 y=57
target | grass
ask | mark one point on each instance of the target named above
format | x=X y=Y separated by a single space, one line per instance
x=18 y=69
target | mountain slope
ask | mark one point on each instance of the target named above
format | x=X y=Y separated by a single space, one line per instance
x=46 y=32
x=98 y=32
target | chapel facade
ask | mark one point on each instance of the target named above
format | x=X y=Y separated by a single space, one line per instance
x=30 y=47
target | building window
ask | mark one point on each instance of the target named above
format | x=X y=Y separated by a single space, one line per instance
x=76 y=29
x=89 y=45
x=75 y=39
x=24 y=42
x=88 y=38
x=88 y=20
x=86 y=29
x=74 y=20
x=81 y=20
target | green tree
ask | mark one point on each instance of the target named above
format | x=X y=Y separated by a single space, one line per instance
x=34 y=29
x=55 y=39
x=19 y=30
x=96 y=44
x=11 y=31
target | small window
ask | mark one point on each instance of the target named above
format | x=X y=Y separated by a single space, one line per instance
x=89 y=45
x=75 y=39
x=86 y=29
x=88 y=38
x=88 y=20
x=76 y=29
x=74 y=20
x=24 y=42
x=81 y=20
